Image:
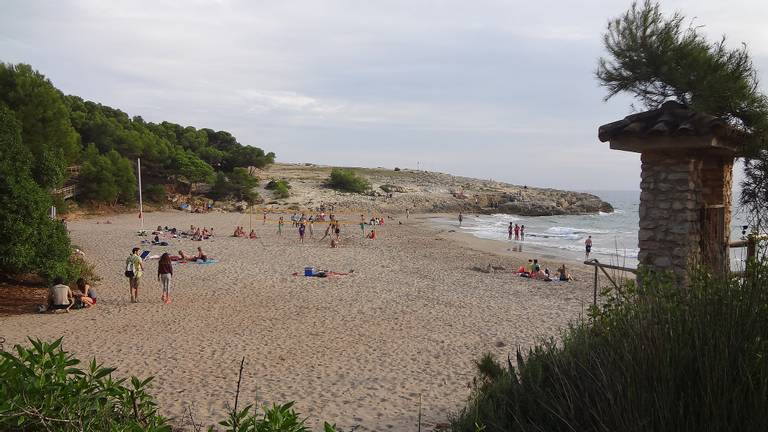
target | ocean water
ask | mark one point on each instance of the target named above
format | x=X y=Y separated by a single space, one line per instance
x=614 y=235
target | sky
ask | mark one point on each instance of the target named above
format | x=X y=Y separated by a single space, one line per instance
x=502 y=90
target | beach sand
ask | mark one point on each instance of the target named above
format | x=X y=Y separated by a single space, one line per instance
x=358 y=350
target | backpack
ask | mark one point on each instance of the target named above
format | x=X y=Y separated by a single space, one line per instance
x=129 y=268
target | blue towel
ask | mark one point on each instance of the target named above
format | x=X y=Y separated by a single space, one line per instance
x=208 y=261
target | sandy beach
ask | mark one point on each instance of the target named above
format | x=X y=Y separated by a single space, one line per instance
x=358 y=350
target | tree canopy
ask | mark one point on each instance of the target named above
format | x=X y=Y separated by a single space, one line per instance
x=656 y=58
x=59 y=131
x=35 y=243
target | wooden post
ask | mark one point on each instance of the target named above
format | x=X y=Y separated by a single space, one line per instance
x=594 y=294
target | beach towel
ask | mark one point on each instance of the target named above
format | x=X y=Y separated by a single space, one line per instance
x=208 y=261
x=144 y=254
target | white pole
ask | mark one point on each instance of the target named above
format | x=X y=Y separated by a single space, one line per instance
x=141 y=205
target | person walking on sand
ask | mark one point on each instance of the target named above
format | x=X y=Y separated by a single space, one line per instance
x=510 y=231
x=461 y=218
x=280 y=223
x=164 y=273
x=264 y=218
x=587 y=247
x=407 y=213
x=522 y=232
x=302 y=229
x=517 y=232
x=134 y=269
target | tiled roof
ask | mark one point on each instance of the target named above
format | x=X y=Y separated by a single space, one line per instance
x=671 y=119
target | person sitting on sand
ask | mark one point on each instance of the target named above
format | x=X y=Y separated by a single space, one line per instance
x=60 y=296
x=86 y=293
x=334 y=243
x=372 y=235
x=563 y=275
x=200 y=255
x=205 y=233
x=252 y=235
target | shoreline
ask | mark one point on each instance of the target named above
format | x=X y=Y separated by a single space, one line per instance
x=358 y=350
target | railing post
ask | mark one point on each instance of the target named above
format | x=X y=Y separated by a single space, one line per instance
x=594 y=293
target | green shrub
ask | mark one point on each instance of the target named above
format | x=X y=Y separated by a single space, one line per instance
x=348 y=181
x=652 y=358
x=43 y=389
x=155 y=193
x=280 y=188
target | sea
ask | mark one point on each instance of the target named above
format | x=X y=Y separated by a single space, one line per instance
x=614 y=235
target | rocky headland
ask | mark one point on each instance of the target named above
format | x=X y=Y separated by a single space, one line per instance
x=423 y=191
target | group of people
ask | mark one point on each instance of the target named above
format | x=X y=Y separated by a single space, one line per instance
x=240 y=232
x=518 y=231
x=534 y=270
x=134 y=271
x=199 y=233
x=61 y=296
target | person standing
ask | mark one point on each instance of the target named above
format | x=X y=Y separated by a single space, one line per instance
x=461 y=218
x=522 y=232
x=407 y=213
x=264 y=218
x=134 y=269
x=302 y=229
x=164 y=273
x=280 y=223
x=510 y=231
x=587 y=247
x=517 y=232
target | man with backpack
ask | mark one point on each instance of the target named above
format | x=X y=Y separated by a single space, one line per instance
x=134 y=268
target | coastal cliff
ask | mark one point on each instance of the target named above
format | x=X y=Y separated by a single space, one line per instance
x=422 y=191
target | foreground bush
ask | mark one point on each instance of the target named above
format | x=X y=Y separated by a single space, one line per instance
x=348 y=181
x=42 y=389
x=656 y=358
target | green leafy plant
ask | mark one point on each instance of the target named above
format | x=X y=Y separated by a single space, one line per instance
x=43 y=389
x=348 y=181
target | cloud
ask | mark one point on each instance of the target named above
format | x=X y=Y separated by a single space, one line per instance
x=494 y=88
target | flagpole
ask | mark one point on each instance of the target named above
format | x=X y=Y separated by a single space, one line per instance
x=141 y=205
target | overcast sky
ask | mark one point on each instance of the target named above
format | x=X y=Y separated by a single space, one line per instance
x=489 y=89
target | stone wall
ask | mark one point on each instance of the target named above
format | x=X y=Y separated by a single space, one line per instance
x=670 y=208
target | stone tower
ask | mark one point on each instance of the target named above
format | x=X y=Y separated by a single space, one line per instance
x=685 y=201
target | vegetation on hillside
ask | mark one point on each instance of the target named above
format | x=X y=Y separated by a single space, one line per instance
x=657 y=58
x=281 y=189
x=347 y=180
x=61 y=130
x=237 y=184
x=33 y=242
x=44 y=389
